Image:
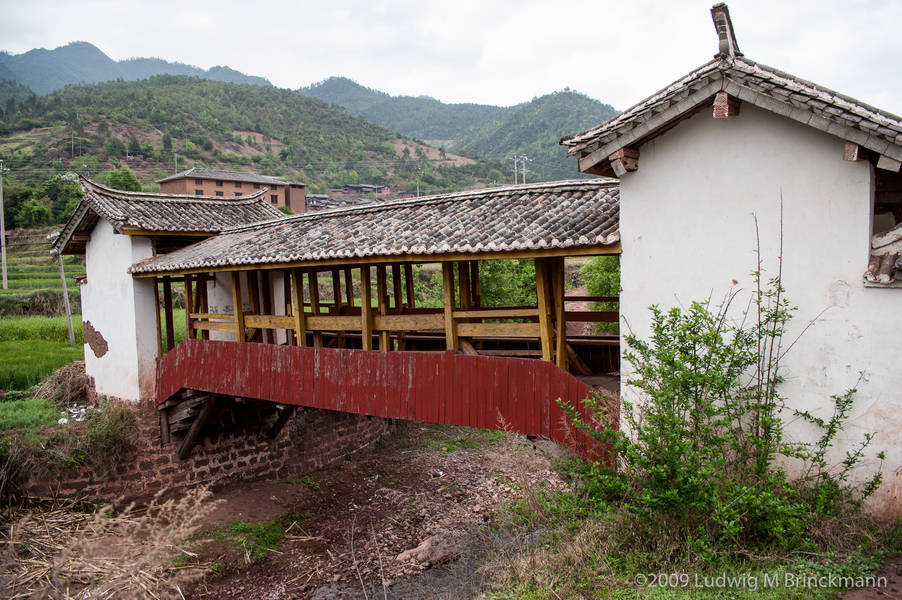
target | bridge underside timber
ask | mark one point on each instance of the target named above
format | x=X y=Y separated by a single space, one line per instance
x=206 y=386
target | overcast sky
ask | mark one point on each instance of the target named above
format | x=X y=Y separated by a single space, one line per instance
x=485 y=51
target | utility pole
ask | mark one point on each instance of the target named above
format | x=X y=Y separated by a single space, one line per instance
x=176 y=163
x=515 y=169
x=2 y=230
x=523 y=159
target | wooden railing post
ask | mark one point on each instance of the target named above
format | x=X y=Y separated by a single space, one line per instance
x=297 y=306
x=269 y=335
x=189 y=307
x=313 y=282
x=560 y=316
x=366 y=309
x=167 y=306
x=542 y=292
x=448 y=296
x=408 y=285
x=382 y=301
x=238 y=306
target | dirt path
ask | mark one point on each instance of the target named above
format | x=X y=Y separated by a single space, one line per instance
x=348 y=524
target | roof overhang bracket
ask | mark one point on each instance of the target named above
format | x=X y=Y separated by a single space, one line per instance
x=624 y=161
x=725 y=106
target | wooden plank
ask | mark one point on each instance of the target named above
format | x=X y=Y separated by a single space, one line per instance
x=215 y=326
x=460 y=413
x=366 y=309
x=269 y=321
x=333 y=323
x=238 y=306
x=511 y=353
x=196 y=426
x=167 y=307
x=496 y=313
x=544 y=384
x=164 y=427
x=514 y=330
x=407 y=322
x=313 y=283
x=482 y=382
x=448 y=297
x=382 y=302
x=269 y=337
x=212 y=316
x=471 y=391
x=576 y=362
x=297 y=307
x=466 y=347
x=560 y=319
x=542 y=285
x=592 y=317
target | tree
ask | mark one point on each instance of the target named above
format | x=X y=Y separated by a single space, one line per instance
x=103 y=128
x=602 y=277
x=133 y=146
x=167 y=142
x=495 y=176
x=123 y=178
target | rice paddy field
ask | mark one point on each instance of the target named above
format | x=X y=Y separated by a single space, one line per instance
x=32 y=347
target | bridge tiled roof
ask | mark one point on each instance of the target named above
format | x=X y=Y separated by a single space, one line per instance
x=160 y=212
x=545 y=216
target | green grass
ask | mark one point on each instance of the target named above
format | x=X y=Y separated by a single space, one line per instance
x=27 y=414
x=178 y=323
x=254 y=539
x=24 y=364
x=47 y=329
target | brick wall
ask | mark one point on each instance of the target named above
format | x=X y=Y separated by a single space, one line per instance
x=311 y=440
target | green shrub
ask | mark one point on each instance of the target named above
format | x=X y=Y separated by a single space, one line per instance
x=28 y=413
x=602 y=277
x=42 y=302
x=701 y=457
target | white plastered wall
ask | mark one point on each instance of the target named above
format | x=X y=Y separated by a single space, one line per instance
x=688 y=232
x=121 y=310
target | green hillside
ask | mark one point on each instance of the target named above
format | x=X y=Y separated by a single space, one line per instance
x=422 y=118
x=532 y=128
x=81 y=62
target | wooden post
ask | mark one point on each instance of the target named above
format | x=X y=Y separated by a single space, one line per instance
x=156 y=305
x=164 y=426
x=238 y=306
x=448 y=296
x=196 y=426
x=463 y=272
x=297 y=306
x=408 y=285
x=167 y=306
x=269 y=335
x=284 y=415
x=396 y=285
x=290 y=339
x=560 y=317
x=382 y=301
x=336 y=290
x=313 y=283
x=253 y=295
x=189 y=306
x=475 y=285
x=349 y=287
x=366 y=309
x=542 y=285
x=59 y=258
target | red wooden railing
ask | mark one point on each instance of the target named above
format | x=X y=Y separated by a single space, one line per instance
x=515 y=394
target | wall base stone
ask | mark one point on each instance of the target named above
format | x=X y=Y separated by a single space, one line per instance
x=311 y=440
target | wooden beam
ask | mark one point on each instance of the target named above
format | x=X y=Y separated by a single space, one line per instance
x=578 y=365
x=297 y=307
x=349 y=287
x=406 y=322
x=269 y=337
x=499 y=313
x=560 y=319
x=467 y=348
x=336 y=290
x=189 y=306
x=167 y=307
x=238 y=306
x=725 y=106
x=214 y=326
x=313 y=284
x=408 y=285
x=463 y=273
x=196 y=426
x=164 y=426
x=542 y=289
x=330 y=323
x=269 y=321
x=366 y=309
x=854 y=153
x=448 y=297
x=513 y=330
x=382 y=301
x=593 y=250
x=624 y=161
x=283 y=419
x=396 y=286
x=253 y=294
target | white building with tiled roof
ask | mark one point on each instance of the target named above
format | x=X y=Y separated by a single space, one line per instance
x=732 y=141
x=114 y=229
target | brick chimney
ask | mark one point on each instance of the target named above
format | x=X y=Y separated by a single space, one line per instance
x=728 y=48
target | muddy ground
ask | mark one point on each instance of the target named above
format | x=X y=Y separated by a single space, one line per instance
x=347 y=525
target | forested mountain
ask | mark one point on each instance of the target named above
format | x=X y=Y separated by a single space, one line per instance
x=170 y=122
x=423 y=118
x=80 y=62
x=532 y=128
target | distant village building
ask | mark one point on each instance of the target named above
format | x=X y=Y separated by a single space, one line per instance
x=217 y=183
x=115 y=229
